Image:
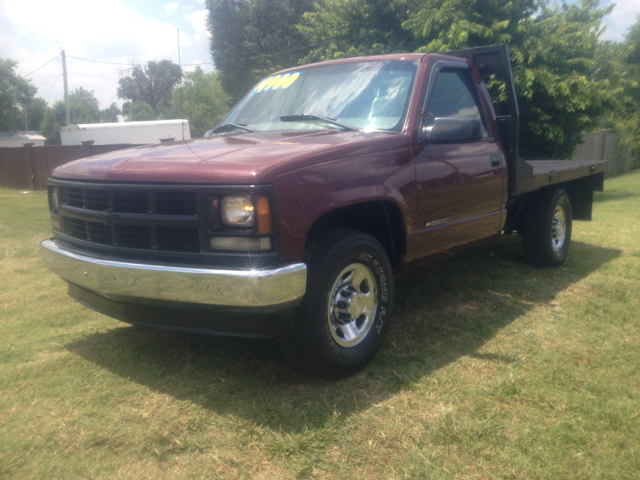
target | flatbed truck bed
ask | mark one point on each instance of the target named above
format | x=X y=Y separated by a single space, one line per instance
x=550 y=172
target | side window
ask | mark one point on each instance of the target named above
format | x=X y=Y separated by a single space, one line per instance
x=454 y=95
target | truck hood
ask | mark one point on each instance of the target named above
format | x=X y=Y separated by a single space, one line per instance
x=249 y=158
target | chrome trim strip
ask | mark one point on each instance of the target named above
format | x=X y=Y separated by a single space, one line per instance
x=239 y=288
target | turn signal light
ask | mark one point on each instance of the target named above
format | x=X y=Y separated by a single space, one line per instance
x=264 y=215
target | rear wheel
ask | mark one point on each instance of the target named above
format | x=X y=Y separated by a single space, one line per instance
x=345 y=313
x=547 y=228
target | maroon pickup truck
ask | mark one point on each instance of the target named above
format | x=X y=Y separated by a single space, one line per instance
x=290 y=219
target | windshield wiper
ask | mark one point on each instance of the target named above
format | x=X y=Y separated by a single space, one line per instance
x=229 y=126
x=315 y=118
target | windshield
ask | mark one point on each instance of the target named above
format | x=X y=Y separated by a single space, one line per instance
x=369 y=95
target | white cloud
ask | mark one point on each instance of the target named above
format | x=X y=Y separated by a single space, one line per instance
x=198 y=20
x=105 y=31
x=33 y=32
x=624 y=14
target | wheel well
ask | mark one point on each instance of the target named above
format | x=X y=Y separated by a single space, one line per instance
x=380 y=219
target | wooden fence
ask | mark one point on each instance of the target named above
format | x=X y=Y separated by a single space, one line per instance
x=28 y=168
x=605 y=145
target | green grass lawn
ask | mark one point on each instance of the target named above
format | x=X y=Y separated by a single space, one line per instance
x=492 y=368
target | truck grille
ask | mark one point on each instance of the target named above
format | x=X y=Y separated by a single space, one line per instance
x=145 y=219
x=127 y=201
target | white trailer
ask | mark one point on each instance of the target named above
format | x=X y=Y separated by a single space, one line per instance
x=126 y=132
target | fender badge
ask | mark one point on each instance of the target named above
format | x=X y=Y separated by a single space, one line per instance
x=435 y=223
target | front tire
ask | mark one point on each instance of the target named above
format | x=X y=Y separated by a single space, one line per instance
x=547 y=228
x=344 y=316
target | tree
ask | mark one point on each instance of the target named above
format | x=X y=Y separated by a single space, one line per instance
x=35 y=113
x=140 y=111
x=110 y=115
x=358 y=27
x=621 y=63
x=54 y=118
x=553 y=51
x=252 y=38
x=17 y=97
x=152 y=84
x=443 y=25
x=632 y=43
x=83 y=108
x=202 y=100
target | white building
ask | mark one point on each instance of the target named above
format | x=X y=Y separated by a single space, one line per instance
x=18 y=139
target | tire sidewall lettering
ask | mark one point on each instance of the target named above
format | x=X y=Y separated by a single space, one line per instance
x=378 y=328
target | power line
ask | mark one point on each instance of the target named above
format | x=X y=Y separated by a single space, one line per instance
x=131 y=64
x=100 y=61
x=42 y=66
x=196 y=64
x=54 y=83
x=52 y=78
x=263 y=55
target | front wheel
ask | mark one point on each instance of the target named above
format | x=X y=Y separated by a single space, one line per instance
x=345 y=313
x=547 y=228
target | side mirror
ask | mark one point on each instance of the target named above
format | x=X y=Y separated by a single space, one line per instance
x=452 y=130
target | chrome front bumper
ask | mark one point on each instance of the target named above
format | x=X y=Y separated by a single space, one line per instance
x=267 y=290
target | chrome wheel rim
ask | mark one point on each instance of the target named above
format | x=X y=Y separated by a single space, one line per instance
x=558 y=228
x=352 y=305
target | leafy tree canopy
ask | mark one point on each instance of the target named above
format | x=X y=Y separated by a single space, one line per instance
x=17 y=96
x=152 y=84
x=139 y=111
x=358 y=27
x=621 y=64
x=110 y=114
x=633 y=44
x=252 y=38
x=35 y=113
x=83 y=108
x=204 y=101
x=553 y=51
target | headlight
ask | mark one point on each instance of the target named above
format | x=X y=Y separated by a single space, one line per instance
x=238 y=211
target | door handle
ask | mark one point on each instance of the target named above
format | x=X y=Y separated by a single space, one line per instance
x=495 y=160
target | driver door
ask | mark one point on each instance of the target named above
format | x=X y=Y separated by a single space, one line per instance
x=460 y=184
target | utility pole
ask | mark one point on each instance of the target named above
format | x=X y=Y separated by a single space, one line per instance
x=180 y=65
x=66 y=88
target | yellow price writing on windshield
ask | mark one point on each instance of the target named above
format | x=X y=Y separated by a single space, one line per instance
x=276 y=82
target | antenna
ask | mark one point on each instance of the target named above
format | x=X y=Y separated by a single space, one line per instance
x=180 y=65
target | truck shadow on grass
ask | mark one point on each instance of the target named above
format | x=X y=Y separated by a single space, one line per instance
x=442 y=313
x=612 y=195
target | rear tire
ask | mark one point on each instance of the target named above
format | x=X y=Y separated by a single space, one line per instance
x=546 y=232
x=344 y=316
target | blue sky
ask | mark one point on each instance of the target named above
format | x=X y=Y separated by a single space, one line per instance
x=133 y=31
x=117 y=31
